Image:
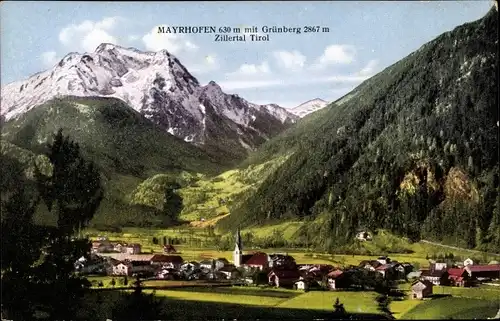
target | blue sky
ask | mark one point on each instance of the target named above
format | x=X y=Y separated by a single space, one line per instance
x=364 y=38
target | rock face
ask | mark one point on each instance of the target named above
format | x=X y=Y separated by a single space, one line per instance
x=157 y=85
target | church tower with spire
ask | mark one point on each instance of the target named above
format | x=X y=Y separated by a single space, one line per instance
x=238 y=249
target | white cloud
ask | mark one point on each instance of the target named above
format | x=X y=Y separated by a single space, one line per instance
x=210 y=63
x=49 y=58
x=336 y=54
x=174 y=43
x=290 y=60
x=252 y=69
x=88 y=35
x=348 y=79
x=369 y=68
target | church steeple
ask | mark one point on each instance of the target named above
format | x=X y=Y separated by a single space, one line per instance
x=238 y=249
x=238 y=240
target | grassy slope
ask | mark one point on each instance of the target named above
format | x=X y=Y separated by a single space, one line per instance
x=202 y=194
x=456 y=308
x=126 y=147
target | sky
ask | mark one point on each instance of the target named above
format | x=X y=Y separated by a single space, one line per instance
x=363 y=38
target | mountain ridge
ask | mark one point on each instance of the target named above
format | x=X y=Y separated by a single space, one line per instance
x=157 y=85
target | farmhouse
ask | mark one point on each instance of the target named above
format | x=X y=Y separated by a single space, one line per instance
x=140 y=267
x=119 y=246
x=370 y=265
x=122 y=268
x=258 y=260
x=282 y=278
x=438 y=266
x=385 y=269
x=131 y=257
x=167 y=261
x=133 y=248
x=282 y=260
x=229 y=271
x=94 y=264
x=484 y=271
x=458 y=277
x=421 y=289
x=220 y=263
x=437 y=277
x=207 y=264
x=166 y=273
x=335 y=279
x=301 y=285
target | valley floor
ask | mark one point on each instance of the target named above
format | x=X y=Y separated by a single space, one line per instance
x=262 y=302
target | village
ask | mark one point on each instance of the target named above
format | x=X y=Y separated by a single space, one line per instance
x=119 y=260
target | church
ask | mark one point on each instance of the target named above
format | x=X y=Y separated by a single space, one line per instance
x=259 y=260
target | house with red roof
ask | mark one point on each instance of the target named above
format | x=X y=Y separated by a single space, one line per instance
x=258 y=260
x=386 y=270
x=459 y=277
x=491 y=271
x=335 y=279
x=283 y=278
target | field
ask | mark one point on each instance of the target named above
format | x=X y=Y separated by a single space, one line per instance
x=456 y=308
x=195 y=302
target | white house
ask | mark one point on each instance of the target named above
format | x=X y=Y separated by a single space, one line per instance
x=301 y=285
x=383 y=260
x=132 y=249
x=220 y=263
x=207 y=264
x=122 y=269
x=230 y=272
x=363 y=236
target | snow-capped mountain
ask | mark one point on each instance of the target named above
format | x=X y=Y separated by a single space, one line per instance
x=308 y=107
x=155 y=84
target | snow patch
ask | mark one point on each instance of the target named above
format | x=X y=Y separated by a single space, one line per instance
x=82 y=108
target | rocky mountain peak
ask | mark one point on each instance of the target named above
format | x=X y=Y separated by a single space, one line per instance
x=156 y=84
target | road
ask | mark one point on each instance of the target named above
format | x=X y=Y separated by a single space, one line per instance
x=458 y=248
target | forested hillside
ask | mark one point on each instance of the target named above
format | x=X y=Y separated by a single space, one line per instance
x=124 y=145
x=414 y=150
